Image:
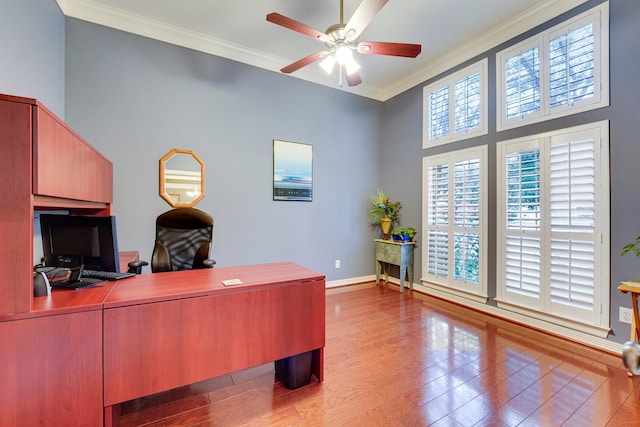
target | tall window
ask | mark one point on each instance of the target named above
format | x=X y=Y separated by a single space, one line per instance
x=553 y=224
x=561 y=71
x=455 y=107
x=454 y=220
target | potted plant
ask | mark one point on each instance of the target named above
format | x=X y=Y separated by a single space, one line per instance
x=384 y=212
x=404 y=234
x=632 y=247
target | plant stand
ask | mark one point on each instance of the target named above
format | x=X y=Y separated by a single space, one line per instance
x=396 y=253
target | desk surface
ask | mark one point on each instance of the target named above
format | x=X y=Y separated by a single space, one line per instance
x=157 y=287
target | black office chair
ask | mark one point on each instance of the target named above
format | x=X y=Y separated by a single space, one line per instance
x=183 y=241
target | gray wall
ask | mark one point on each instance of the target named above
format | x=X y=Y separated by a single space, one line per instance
x=135 y=99
x=402 y=144
x=32 y=51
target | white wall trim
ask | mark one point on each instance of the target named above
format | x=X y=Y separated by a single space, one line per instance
x=526 y=321
x=567 y=333
x=531 y=18
x=351 y=281
x=118 y=19
x=90 y=11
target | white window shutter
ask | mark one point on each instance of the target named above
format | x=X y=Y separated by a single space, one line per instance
x=571 y=67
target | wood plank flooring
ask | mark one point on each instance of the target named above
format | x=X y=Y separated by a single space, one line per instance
x=396 y=360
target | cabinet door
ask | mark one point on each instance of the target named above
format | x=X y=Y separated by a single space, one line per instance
x=52 y=374
x=65 y=165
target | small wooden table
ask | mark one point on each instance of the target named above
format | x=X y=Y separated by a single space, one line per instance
x=396 y=253
x=633 y=288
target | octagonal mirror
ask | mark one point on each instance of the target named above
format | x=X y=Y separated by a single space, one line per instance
x=181 y=178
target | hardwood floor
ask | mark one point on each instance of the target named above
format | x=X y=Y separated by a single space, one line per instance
x=396 y=360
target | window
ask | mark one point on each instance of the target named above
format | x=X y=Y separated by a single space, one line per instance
x=454 y=224
x=455 y=107
x=553 y=224
x=561 y=71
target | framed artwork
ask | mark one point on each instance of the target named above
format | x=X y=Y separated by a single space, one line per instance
x=292 y=171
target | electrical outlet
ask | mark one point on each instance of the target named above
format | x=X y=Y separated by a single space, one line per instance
x=626 y=314
x=337 y=263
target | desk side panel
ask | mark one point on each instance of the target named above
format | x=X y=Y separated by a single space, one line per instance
x=154 y=347
x=16 y=214
x=52 y=374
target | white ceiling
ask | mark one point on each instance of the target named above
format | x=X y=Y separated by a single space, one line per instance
x=450 y=31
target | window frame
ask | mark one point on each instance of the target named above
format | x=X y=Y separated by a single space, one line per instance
x=477 y=292
x=599 y=17
x=480 y=67
x=596 y=322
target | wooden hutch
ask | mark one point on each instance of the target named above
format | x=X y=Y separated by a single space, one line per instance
x=48 y=347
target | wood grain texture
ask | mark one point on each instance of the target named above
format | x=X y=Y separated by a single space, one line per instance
x=65 y=165
x=16 y=214
x=396 y=359
x=51 y=371
x=151 y=347
x=157 y=287
x=45 y=164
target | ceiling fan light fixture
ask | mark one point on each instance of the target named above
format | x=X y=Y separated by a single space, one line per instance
x=328 y=63
x=352 y=66
x=343 y=54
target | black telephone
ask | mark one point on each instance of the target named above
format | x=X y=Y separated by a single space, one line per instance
x=41 y=286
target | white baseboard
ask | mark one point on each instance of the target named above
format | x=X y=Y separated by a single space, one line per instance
x=526 y=321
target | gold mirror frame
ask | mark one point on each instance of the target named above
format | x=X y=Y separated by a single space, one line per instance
x=181 y=178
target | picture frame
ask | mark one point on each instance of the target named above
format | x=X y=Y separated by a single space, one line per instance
x=292 y=171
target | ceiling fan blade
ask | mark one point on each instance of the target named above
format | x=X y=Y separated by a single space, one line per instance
x=294 y=25
x=362 y=17
x=304 y=62
x=406 y=50
x=353 y=79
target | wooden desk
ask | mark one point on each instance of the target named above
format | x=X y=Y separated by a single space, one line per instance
x=166 y=330
x=633 y=288
x=396 y=253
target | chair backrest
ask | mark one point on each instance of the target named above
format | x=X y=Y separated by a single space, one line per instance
x=183 y=240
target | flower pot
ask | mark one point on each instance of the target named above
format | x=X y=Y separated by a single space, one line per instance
x=385 y=224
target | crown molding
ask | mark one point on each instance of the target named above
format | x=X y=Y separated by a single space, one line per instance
x=87 y=10
x=525 y=21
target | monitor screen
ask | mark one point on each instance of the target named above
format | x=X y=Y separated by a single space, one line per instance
x=73 y=240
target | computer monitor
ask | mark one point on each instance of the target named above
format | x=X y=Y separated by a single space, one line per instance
x=73 y=240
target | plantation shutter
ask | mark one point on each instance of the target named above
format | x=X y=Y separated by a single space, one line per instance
x=522 y=83
x=522 y=246
x=572 y=213
x=439 y=113
x=467 y=103
x=571 y=67
x=553 y=226
x=467 y=220
x=438 y=218
x=454 y=221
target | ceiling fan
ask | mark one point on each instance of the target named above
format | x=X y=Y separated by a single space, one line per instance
x=342 y=39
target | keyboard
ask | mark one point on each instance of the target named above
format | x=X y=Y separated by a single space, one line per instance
x=106 y=275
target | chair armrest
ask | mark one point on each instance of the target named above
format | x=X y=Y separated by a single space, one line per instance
x=136 y=266
x=208 y=263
